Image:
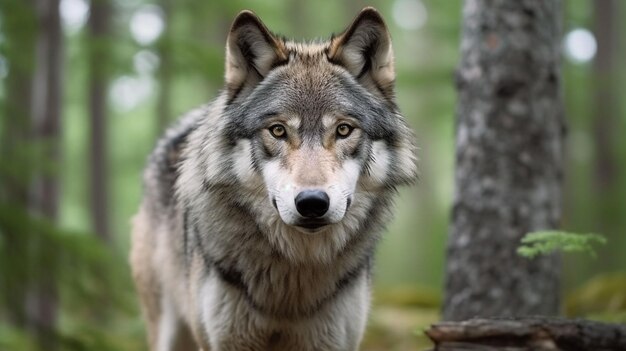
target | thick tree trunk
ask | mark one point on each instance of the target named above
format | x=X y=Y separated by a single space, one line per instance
x=509 y=138
x=527 y=334
x=99 y=20
x=47 y=129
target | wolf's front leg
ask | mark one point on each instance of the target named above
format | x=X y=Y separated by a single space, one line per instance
x=341 y=326
x=172 y=333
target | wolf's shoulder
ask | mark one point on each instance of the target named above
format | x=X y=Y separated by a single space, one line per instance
x=161 y=169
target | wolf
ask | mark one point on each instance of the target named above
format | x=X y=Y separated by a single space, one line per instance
x=262 y=209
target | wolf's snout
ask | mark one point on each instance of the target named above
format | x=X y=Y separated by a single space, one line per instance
x=312 y=203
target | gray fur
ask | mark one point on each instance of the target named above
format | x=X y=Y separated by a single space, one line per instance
x=214 y=260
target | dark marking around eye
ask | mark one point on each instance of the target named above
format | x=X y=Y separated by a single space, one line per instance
x=266 y=151
x=357 y=150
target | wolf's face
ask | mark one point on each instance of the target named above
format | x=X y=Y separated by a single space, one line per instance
x=312 y=166
x=316 y=125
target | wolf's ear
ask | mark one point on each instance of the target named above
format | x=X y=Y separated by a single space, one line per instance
x=251 y=52
x=364 y=49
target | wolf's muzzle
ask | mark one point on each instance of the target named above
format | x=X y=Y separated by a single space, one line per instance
x=312 y=203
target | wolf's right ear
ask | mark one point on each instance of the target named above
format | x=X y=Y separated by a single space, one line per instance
x=251 y=52
x=364 y=49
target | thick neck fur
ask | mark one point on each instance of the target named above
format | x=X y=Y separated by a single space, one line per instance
x=282 y=272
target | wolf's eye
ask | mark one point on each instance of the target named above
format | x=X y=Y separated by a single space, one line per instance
x=343 y=130
x=278 y=131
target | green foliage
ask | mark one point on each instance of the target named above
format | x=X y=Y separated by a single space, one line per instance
x=91 y=280
x=12 y=338
x=546 y=242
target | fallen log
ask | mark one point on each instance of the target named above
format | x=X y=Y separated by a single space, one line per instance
x=526 y=334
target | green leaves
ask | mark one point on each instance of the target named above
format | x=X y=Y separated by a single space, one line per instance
x=546 y=242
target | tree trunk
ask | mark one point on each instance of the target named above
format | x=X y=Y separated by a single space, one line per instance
x=46 y=110
x=605 y=107
x=509 y=137
x=99 y=22
x=605 y=117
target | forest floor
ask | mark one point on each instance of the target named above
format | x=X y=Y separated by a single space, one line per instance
x=398 y=328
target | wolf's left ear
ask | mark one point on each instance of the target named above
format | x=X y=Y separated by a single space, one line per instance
x=364 y=49
x=251 y=52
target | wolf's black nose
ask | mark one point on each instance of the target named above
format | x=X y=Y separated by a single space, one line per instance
x=312 y=203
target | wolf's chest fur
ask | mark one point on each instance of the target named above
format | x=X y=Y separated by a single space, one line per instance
x=273 y=284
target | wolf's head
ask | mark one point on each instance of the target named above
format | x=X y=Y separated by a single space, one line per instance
x=316 y=123
x=306 y=137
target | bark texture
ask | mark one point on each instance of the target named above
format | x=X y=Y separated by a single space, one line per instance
x=509 y=138
x=529 y=334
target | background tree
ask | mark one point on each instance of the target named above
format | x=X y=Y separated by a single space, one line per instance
x=605 y=114
x=46 y=109
x=509 y=160
x=99 y=61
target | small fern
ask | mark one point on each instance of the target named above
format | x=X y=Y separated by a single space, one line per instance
x=545 y=242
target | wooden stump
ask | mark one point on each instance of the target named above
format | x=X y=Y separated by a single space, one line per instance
x=525 y=334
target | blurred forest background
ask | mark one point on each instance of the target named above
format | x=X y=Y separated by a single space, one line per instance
x=88 y=86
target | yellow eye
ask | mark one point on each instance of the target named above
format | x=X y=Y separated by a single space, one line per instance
x=278 y=131
x=343 y=130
